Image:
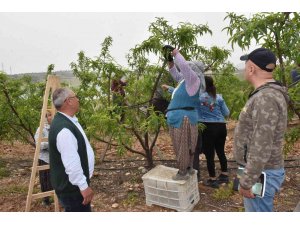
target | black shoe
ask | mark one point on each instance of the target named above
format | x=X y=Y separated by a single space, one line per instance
x=46 y=203
x=178 y=176
x=223 y=179
x=212 y=183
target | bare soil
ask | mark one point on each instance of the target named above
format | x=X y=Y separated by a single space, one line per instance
x=118 y=184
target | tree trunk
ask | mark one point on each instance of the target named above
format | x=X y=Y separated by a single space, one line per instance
x=149 y=157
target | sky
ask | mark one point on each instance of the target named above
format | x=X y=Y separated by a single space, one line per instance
x=29 y=42
x=35 y=34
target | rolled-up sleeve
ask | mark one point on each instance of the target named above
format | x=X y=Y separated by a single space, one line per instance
x=177 y=76
x=192 y=81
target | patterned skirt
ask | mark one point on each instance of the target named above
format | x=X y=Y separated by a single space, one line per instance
x=184 y=141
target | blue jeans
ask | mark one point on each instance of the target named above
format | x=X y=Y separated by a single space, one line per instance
x=74 y=204
x=274 y=180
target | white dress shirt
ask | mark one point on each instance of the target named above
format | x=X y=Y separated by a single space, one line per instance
x=44 y=148
x=66 y=144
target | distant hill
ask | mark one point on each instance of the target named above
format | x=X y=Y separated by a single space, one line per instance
x=66 y=76
x=239 y=73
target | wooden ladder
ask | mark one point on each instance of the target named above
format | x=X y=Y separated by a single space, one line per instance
x=52 y=84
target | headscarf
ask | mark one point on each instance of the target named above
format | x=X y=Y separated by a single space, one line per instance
x=199 y=68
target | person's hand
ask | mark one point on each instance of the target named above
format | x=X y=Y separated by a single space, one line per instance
x=87 y=195
x=123 y=79
x=165 y=87
x=169 y=57
x=168 y=47
x=167 y=51
x=246 y=193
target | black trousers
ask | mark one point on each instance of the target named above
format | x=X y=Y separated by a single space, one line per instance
x=74 y=204
x=198 y=151
x=44 y=176
x=213 y=140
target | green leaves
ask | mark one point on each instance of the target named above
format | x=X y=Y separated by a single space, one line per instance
x=291 y=138
x=105 y=48
x=20 y=106
x=50 y=68
x=278 y=32
x=184 y=37
x=233 y=90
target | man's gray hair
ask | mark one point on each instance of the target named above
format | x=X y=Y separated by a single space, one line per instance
x=199 y=68
x=59 y=96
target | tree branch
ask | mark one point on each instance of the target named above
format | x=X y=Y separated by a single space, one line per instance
x=9 y=102
x=116 y=145
x=134 y=151
x=22 y=136
x=209 y=66
x=157 y=79
x=102 y=140
x=154 y=140
x=139 y=137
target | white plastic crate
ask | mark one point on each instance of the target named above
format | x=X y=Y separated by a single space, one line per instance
x=162 y=190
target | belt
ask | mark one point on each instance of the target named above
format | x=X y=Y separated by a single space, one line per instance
x=182 y=108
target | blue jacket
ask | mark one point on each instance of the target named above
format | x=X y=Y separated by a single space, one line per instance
x=212 y=110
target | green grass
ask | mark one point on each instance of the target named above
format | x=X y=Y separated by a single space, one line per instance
x=133 y=180
x=14 y=189
x=4 y=172
x=131 y=199
x=224 y=192
x=2 y=163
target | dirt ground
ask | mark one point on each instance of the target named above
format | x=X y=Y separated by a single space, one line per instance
x=118 y=184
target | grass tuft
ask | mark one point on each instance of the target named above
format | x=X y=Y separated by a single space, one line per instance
x=224 y=192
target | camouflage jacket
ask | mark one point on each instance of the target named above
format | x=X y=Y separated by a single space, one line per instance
x=258 y=136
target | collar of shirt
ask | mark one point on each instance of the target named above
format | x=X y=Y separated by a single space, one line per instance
x=73 y=119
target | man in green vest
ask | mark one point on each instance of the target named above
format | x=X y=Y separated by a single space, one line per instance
x=71 y=155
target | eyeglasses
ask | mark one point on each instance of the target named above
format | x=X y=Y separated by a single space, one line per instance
x=75 y=96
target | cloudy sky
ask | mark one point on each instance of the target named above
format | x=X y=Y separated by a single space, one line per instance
x=30 y=41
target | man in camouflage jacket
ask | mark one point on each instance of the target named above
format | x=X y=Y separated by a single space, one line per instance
x=259 y=134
